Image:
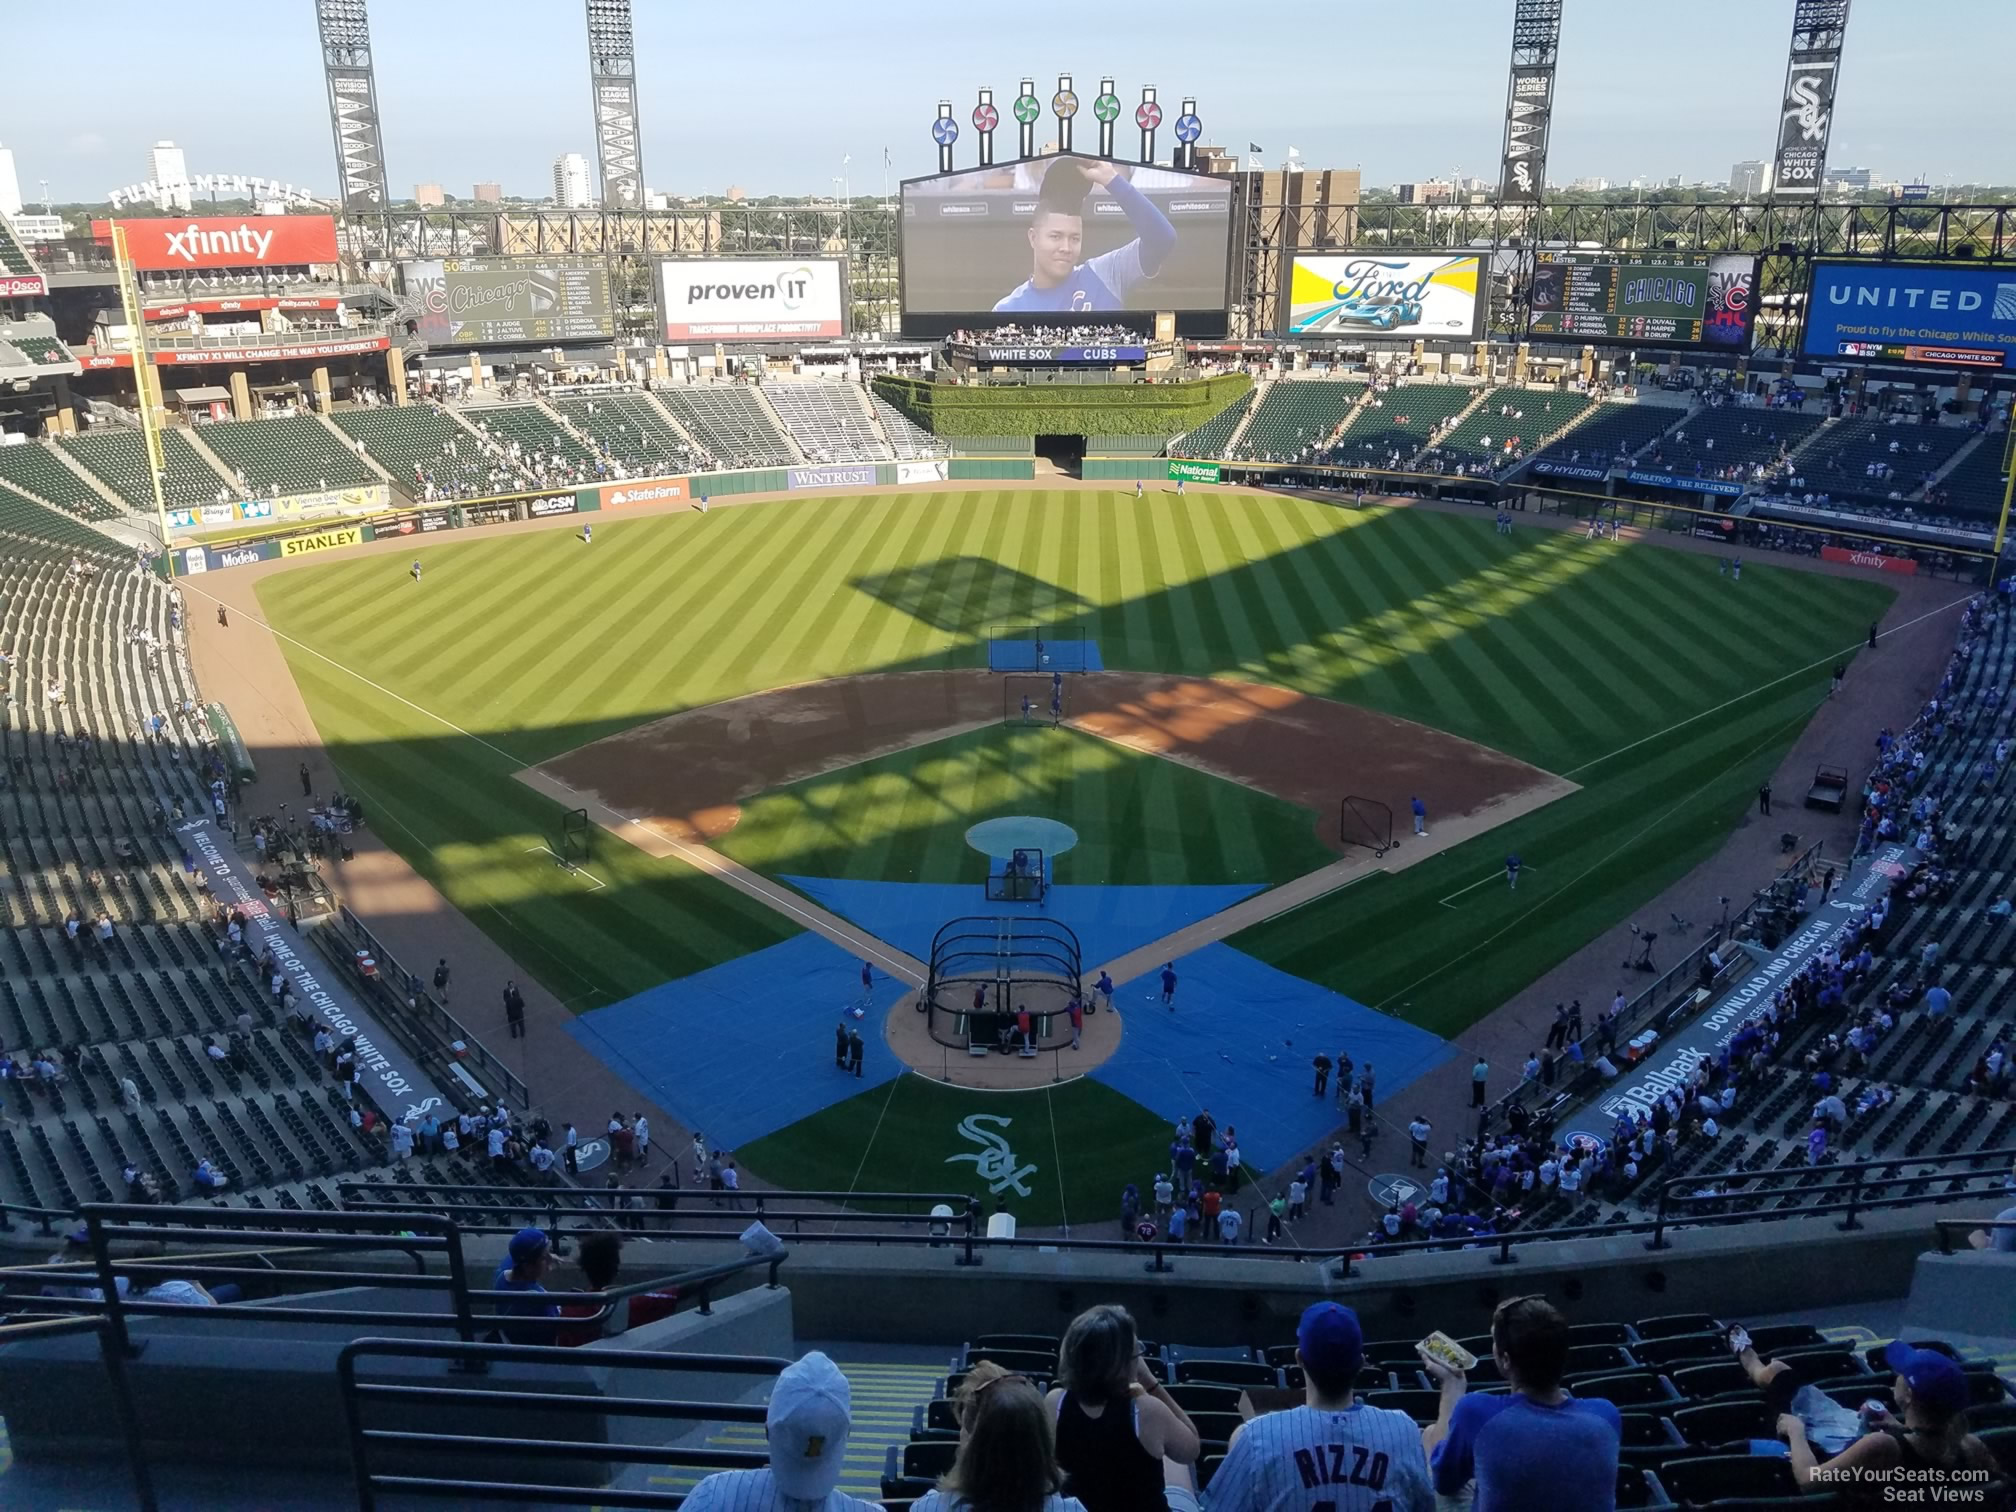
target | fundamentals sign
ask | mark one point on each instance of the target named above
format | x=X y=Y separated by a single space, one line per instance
x=753 y=299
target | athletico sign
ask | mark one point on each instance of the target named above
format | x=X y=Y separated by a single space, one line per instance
x=751 y=299
x=1715 y=486
x=251 y=241
x=1906 y=565
x=636 y=495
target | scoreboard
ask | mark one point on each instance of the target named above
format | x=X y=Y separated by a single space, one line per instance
x=470 y=301
x=1681 y=299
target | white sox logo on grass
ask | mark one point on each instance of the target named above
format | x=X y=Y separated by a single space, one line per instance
x=995 y=1160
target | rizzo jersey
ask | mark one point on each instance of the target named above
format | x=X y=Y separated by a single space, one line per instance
x=1362 y=1459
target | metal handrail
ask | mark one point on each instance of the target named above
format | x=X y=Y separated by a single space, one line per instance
x=122 y=1391
x=104 y=1223
x=48 y=1217
x=971 y=1240
x=465 y=1360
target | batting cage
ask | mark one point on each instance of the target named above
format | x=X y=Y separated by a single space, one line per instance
x=573 y=849
x=1041 y=648
x=1035 y=700
x=985 y=971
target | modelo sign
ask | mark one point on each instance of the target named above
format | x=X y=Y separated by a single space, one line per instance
x=753 y=299
x=243 y=241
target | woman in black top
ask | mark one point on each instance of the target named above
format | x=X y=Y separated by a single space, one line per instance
x=1123 y=1443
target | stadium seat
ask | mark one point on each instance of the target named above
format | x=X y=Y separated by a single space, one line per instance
x=1714 y=1423
x=1296 y=418
x=1228 y=1372
x=1711 y=1478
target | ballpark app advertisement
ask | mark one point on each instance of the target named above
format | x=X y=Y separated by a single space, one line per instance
x=1384 y=294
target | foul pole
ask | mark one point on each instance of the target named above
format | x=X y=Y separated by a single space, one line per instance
x=146 y=382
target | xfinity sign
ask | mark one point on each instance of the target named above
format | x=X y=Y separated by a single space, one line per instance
x=753 y=299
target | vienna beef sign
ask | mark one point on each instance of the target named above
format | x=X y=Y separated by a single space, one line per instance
x=244 y=241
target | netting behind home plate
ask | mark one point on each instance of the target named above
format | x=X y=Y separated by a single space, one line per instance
x=1011 y=963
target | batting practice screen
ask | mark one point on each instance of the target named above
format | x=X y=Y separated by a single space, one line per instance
x=1703 y=299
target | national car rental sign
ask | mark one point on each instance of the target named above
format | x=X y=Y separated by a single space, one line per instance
x=225 y=241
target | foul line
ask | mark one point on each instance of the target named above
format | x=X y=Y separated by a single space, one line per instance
x=1600 y=861
x=1524 y=866
x=1057 y=1154
x=580 y=870
x=700 y=859
x=873 y=1135
x=1761 y=687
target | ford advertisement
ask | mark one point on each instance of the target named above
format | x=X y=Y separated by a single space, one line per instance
x=1355 y=294
x=1897 y=312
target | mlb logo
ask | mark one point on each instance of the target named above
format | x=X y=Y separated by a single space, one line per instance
x=2005 y=301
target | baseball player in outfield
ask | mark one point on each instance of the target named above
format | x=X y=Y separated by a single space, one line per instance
x=1333 y=1452
x=808 y=1422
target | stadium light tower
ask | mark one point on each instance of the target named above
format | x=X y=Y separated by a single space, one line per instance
x=353 y=105
x=1529 y=101
x=612 y=78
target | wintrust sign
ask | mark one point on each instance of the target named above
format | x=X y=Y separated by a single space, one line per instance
x=253 y=241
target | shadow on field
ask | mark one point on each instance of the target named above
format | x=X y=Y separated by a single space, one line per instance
x=963 y=595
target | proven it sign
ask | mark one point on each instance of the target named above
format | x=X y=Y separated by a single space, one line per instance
x=752 y=299
x=245 y=241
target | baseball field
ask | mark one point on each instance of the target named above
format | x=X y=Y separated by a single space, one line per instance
x=1661 y=690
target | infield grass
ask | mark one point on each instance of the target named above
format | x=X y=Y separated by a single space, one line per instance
x=1139 y=819
x=1665 y=690
x=1069 y=1150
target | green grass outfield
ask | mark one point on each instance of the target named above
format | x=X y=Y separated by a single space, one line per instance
x=1560 y=651
x=1073 y=1148
x=1140 y=819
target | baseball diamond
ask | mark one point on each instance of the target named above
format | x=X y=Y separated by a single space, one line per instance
x=801 y=734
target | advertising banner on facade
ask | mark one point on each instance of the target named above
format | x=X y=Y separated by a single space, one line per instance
x=550 y=504
x=852 y=475
x=1805 y=117
x=1384 y=294
x=1193 y=472
x=1587 y=471
x=1718 y=486
x=1953 y=316
x=636 y=494
x=752 y=299
x=277 y=351
x=22 y=285
x=368 y=499
x=194 y=559
x=1907 y=566
x=413 y=522
x=323 y=540
x=227 y=241
x=1061 y=354
x=921 y=472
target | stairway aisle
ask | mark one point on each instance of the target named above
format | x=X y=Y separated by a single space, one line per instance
x=886 y=1397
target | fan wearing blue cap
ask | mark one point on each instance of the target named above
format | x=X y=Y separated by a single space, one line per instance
x=809 y=1419
x=1331 y=1452
x=1927 y=1436
x=531 y=1256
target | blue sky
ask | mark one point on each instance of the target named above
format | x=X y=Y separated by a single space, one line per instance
x=771 y=96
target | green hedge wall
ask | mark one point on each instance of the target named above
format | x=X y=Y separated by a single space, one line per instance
x=1119 y=409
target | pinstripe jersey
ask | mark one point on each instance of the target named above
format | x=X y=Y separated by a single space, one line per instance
x=1360 y=1459
x=756 y=1491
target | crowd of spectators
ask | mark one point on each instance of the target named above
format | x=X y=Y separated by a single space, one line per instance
x=1105 y=333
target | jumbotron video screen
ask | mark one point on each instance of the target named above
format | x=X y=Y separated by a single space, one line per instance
x=1679 y=299
x=1064 y=236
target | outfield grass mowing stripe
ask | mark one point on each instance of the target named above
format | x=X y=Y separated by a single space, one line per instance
x=1469 y=668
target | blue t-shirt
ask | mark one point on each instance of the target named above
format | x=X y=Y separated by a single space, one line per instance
x=1524 y=1455
x=528 y=1306
x=1103 y=282
x=1937 y=1000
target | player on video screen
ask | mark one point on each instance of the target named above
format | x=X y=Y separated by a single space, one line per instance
x=1058 y=280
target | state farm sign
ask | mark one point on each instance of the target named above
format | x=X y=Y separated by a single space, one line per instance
x=246 y=241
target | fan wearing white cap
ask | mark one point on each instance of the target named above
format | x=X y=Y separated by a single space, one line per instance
x=810 y=1417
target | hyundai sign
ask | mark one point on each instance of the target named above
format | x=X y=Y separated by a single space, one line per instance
x=1947 y=316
